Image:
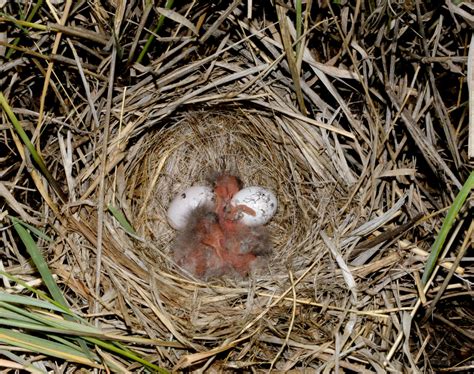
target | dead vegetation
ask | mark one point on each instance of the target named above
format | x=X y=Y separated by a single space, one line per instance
x=355 y=114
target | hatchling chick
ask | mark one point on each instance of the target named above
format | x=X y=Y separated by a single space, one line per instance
x=199 y=248
x=244 y=243
x=242 y=239
x=204 y=250
x=225 y=187
x=215 y=242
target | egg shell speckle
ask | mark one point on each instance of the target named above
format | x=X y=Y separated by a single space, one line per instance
x=260 y=200
x=185 y=202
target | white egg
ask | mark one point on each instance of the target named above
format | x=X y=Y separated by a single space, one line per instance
x=260 y=200
x=185 y=202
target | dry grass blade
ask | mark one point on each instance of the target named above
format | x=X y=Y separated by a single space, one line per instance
x=47 y=78
x=290 y=56
x=16 y=206
x=290 y=327
x=470 y=85
x=54 y=27
x=177 y=18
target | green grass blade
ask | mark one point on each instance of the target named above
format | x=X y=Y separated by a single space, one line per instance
x=18 y=23
x=28 y=301
x=120 y=217
x=47 y=277
x=11 y=319
x=60 y=334
x=60 y=329
x=58 y=323
x=36 y=156
x=446 y=227
x=159 y=24
x=7 y=317
x=43 y=296
x=22 y=24
x=26 y=319
x=28 y=19
x=128 y=354
x=44 y=346
x=39 y=262
x=21 y=133
x=34 y=230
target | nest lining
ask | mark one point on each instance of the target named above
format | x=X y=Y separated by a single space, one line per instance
x=214 y=141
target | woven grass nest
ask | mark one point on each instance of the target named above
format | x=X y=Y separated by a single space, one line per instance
x=341 y=122
x=252 y=144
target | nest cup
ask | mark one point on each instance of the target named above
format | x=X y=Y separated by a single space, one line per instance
x=202 y=143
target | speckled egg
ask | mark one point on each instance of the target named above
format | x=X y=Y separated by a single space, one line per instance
x=185 y=202
x=261 y=201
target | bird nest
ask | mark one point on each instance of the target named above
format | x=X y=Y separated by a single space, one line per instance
x=338 y=142
x=305 y=296
x=250 y=145
x=254 y=145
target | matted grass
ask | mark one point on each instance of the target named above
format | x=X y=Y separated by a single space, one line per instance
x=344 y=111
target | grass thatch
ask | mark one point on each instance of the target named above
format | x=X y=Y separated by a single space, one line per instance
x=355 y=115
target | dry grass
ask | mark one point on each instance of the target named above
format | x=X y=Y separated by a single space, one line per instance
x=359 y=124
